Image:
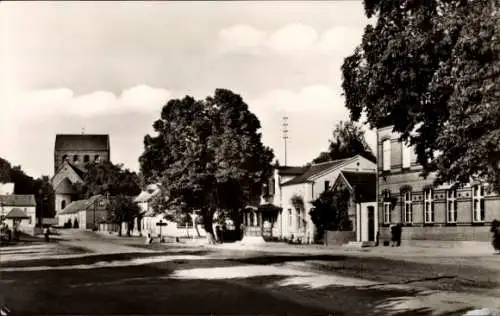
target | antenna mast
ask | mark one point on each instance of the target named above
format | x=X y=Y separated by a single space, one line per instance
x=285 y=133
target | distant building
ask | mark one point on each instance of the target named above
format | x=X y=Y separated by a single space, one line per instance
x=18 y=211
x=276 y=216
x=446 y=212
x=146 y=222
x=71 y=153
x=88 y=213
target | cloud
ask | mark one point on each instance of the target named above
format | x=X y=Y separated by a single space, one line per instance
x=291 y=39
x=242 y=36
x=314 y=98
x=45 y=103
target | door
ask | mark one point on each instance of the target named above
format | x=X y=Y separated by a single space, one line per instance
x=371 y=223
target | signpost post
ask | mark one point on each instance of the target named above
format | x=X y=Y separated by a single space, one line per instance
x=161 y=224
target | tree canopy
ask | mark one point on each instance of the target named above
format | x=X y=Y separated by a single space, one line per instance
x=431 y=69
x=107 y=178
x=207 y=155
x=330 y=212
x=121 y=208
x=348 y=140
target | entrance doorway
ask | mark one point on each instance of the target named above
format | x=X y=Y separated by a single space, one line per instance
x=371 y=223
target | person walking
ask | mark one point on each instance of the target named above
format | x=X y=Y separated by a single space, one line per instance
x=47 y=234
x=393 y=235
x=399 y=231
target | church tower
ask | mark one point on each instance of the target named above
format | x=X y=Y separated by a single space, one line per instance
x=71 y=153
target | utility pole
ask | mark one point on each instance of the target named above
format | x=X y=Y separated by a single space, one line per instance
x=285 y=134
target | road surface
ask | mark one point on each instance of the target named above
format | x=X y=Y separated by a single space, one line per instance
x=88 y=274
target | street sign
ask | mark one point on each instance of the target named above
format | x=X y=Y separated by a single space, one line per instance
x=161 y=224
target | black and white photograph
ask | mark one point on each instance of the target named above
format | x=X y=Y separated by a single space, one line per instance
x=337 y=157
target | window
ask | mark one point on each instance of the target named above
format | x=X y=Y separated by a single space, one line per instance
x=451 y=206
x=75 y=158
x=327 y=185
x=387 y=207
x=428 y=206
x=405 y=155
x=96 y=158
x=273 y=186
x=299 y=219
x=63 y=204
x=386 y=155
x=407 y=207
x=64 y=158
x=478 y=203
x=86 y=158
x=289 y=217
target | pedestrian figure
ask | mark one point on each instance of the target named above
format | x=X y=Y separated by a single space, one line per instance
x=149 y=240
x=377 y=240
x=399 y=231
x=47 y=234
x=393 y=235
x=495 y=229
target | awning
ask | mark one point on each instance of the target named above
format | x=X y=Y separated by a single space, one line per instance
x=17 y=213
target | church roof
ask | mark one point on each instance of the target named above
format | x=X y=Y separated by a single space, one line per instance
x=82 y=142
x=18 y=200
x=65 y=187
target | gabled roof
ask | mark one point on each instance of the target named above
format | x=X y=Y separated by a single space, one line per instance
x=82 y=142
x=16 y=213
x=289 y=170
x=362 y=183
x=18 y=200
x=81 y=205
x=78 y=171
x=315 y=170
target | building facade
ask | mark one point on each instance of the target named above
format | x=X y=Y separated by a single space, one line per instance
x=277 y=211
x=71 y=153
x=428 y=212
x=88 y=213
x=18 y=211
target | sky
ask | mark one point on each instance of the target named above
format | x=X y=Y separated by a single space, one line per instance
x=109 y=67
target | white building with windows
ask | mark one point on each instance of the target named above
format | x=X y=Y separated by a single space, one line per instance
x=278 y=217
x=17 y=211
x=446 y=212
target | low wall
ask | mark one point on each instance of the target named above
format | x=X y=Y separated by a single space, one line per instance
x=444 y=233
x=337 y=238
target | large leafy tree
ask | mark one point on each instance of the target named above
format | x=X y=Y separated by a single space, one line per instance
x=348 y=140
x=431 y=69
x=207 y=155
